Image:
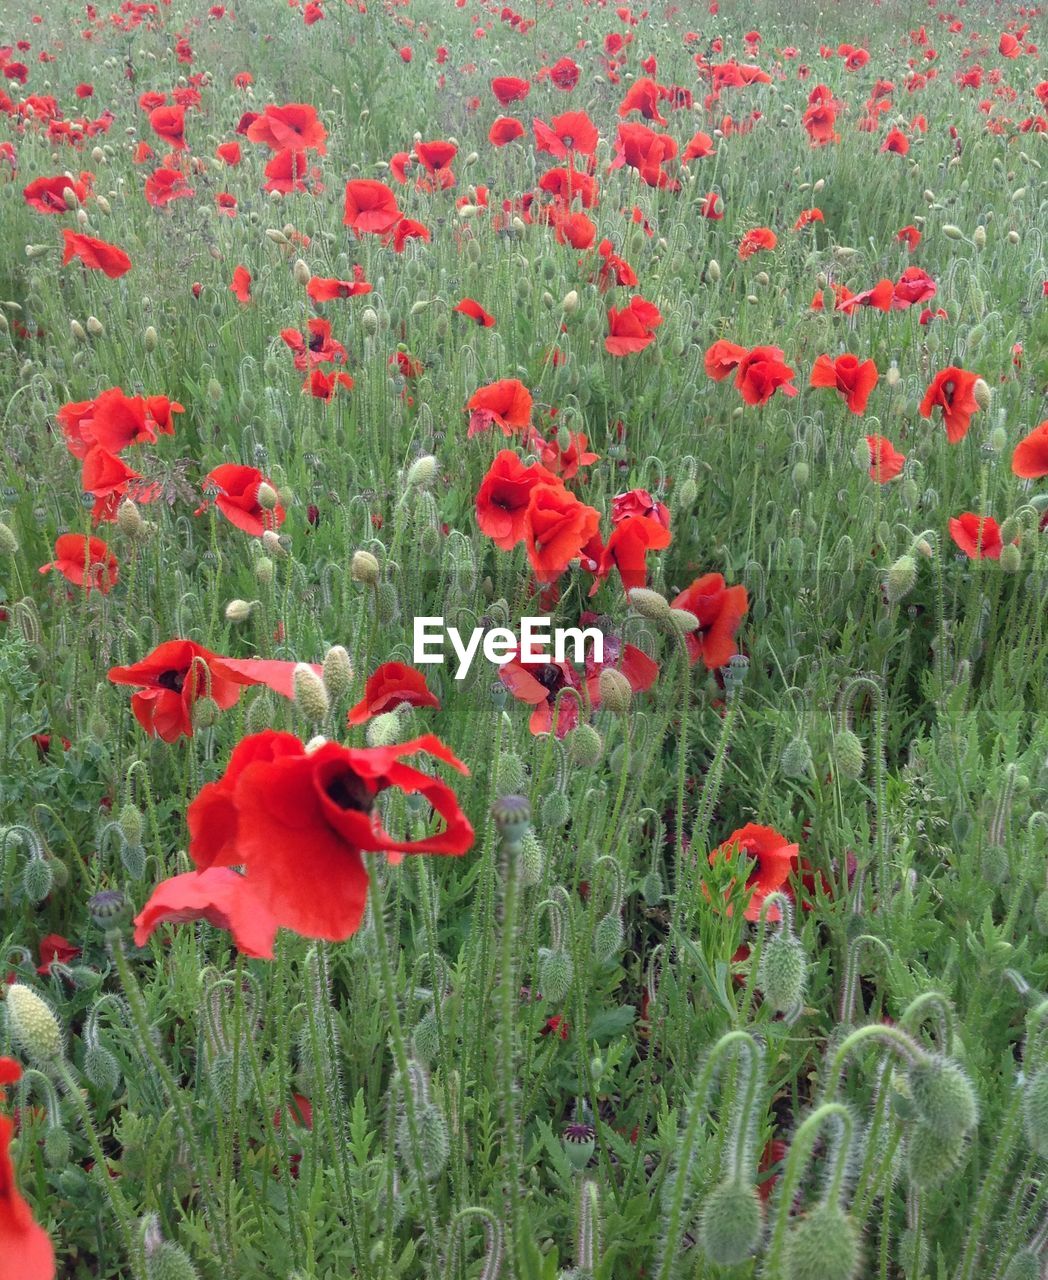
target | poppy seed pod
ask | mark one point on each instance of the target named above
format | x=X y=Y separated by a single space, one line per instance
x=824 y=1245
x=33 y=1026
x=311 y=696
x=943 y=1096
x=730 y=1223
x=512 y=815
x=337 y=671
x=364 y=568
x=579 y=1140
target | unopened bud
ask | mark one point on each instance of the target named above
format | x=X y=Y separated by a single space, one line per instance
x=311 y=696
x=943 y=1096
x=783 y=973
x=584 y=745
x=8 y=541
x=301 y=273
x=422 y=472
x=982 y=393
x=337 y=671
x=150 y=339
x=900 y=579
x=730 y=1224
x=616 y=692
x=569 y=304
x=649 y=604
x=952 y=232
x=78 y=331
x=979 y=237
x=238 y=611
x=823 y=1245
x=369 y=320
x=267 y=496
x=713 y=270
x=364 y=568
x=94 y=327
x=33 y=1025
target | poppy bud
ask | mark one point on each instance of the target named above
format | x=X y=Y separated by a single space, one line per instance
x=532 y=859
x=687 y=491
x=102 y=1069
x=56 y=1147
x=981 y=392
x=103 y=204
x=422 y=472
x=802 y=472
x=205 y=714
x=752 y=297
x=979 y=237
x=931 y=1158
x=35 y=250
x=369 y=320
x=1018 y=194
x=993 y=864
x=569 y=304
x=900 y=579
x=77 y=330
x=796 y=759
x=169 y=1261
x=273 y=544
x=649 y=604
x=730 y=1223
x=214 y=390
x=584 y=745
x=94 y=327
x=713 y=270
x=555 y=810
x=849 y=754
x=823 y=1245
x=318 y=741
x=952 y=232
x=131 y=823
x=82 y=219
x=276 y=237
x=364 y=568
x=783 y=972
x=238 y=611
x=1026 y=1265
x=683 y=622
x=607 y=937
x=266 y=497
x=943 y=1096
x=1035 y=1110
x=150 y=339
x=616 y=693
x=301 y=273
x=555 y=974
x=929 y=197
x=33 y=1026
x=1011 y=558
x=37 y=879
x=425 y=1042
x=311 y=696
x=763 y=279
x=264 y=570
x=337 y=671
x=1013 y=237
x=8 y=541
x=386 y=604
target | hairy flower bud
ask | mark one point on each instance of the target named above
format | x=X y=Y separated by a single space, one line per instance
x=730 y=1223
x=584 y=745
x=1035 y=1111
x=783 y=972
x=649 y=604
x=33 y=1026
x=8 y=541
x=931 y=1158
x=364 y=568
x=796 y=759
x=422 y=472
x=823 y=1245
x=616 y=692
x=311 y=696
x=850 y=755
x=511 y=776
x=238 y=611
x=555 y=974
x=102 y=1069
x=943 y=1096
x=338 y=672
x=901 y=578
x=1026 y=1265
x=608 y=936
x=131 y=823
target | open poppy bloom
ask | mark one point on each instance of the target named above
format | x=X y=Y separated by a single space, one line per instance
x=557 y=527
x=760 y=238
x=720 y=610
x=503 y=497
x=324 y=386
x=237 y=498
x=220 y=896
x=371 y=207
x=699 y=148
x=298 y=821
x=25 y=1248
x=293 y=127
x=638 y=502
x=47 y=195
x=633 y=328
x=318 y=348
x=506 y=404
x=978 y=537
x=505 y=129
x=54 y=949
x=537 y=684
x=760 y=373
x=953 y=391
x=627 y=550
x=169 y=123
x=164 y=185
x=474 y=311
x=722 y=359
x=1030 y=459
x=510 y=89
x=328 y=288
x=571 y=131
x=170 y=680
x=390 y=686
x=565 y=463
x=775 y=859
x=85 y=562
x=240 y=287
x=109 y=480
x=885 y=461
x=96 y=255
x=846 y=374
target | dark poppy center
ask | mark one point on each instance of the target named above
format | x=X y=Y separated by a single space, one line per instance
x=948 y=389
x=173 y=680
x=316 y=342
x=550 y=677
x=348 y=791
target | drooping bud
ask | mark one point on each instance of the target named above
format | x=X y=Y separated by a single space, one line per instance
x=555 y=974
x=1035 y=1111
x=616 y=692
x=943 y=1096
x=364 y=568
x=95 y=327
x=33 y=1026
x=796 y=759
x=850 y=755
x=131 y=823
x=8 y=541
x=649 y=604
x=584 y=745
x=730 y=1223
x=238 y=611
x=931 y=1158
x=102 y=1069
x=783 y=972
x=608 y=936
x=900 y=579
x=823 y=1245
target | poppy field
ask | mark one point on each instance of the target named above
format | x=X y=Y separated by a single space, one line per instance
x=713 y=943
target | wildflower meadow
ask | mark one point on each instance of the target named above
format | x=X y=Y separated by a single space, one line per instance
x=523 y=640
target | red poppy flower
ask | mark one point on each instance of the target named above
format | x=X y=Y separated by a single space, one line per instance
x=720 y=610
x=1030 y=459
x=237 y=498
x=293 y=127
x=978 y=537
x=228 y=152
x=505 y=130
x=169 y=123
x=613 y=268
x=390 y=686
x=241 y=286
x=86 y=562
x=47 y=195
x=435 y=156
x=846 y=374
x=574 y=229
x=806 y=217
x=222 y=897
x=557 y=527
x=885 y=462
x=909 y=236
x=510 y=89
x=371 y=207
x=564 y=74
x=226 y=204
x=287 y=172
x=565 y=463
x=638 y=502
x=171 y=679
x=820 y=119
x=573 y=131
x=506 y=403
x=54 y=947
x=953 y=391
x=643 y=95
x=627 y=550
x=25 y=1249
x=298 y=821
x=503 y=497
x=756 y=240
x=319 y=348
x=405 y=230
x=328 y=288
x=722 y=359
x=475 y=312
x=775 y=859
x=537 y=684
x=107 y=478
x=700 y=147
x=896 y=142
x=914 y=285
x=324 y=386
x=96 y=255
x=164 y=185
x=760 y=373
x=633 y=328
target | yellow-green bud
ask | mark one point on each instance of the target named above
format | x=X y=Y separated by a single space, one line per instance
x=982 y=393
x=311 y=696
x=150 y=339
x=33 y=1025
x=94 y=326
x=338 y=671
x=901 y=579
x=364 y=568
x=78 y=331
x=267 y=496
x=301 y=273
x=650 y=604
x=238 y=611
x=8 y=541
x=616 y=692
x=422 y=472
